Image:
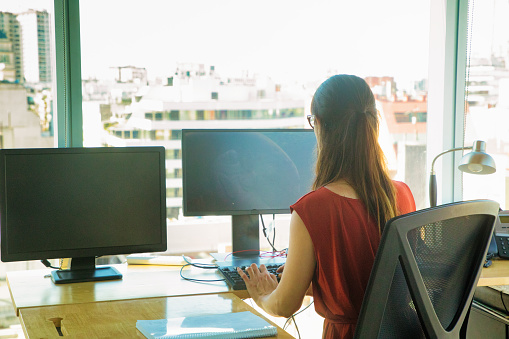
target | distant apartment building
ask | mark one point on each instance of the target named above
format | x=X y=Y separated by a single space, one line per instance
x=25 y=54
x=19 y=127
x=7 y=71
x=487 y=78
x=406 y=114
x=35 y=37
x=11 y=59
x=406 y=118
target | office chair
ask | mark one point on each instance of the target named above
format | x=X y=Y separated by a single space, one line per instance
x=425 y=272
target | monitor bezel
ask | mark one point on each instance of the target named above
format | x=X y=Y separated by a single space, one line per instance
x=7 y=256
x=185 y=208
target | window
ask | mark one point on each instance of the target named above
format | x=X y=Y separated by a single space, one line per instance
x=164 y=88
x=174 y=115
x=176 y=134
x=173 y=154
x=200 y=115
x=27 y=113
x=486 y=93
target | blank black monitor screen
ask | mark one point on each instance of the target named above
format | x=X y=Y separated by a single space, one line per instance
x=81 y=202
x=246 y=173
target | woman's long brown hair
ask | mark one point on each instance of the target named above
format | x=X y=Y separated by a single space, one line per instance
x=347 y=131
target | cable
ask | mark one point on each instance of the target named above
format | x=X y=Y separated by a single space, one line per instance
x=196 y=280
x=296 y=327
x=288 y=321
x=267 y=236
x=274 y=228
x=199 y=265
x=272 y=255
x=305 y=308
x=46 y=263
x=292 y=318
x=263 y=254
x=503 y=303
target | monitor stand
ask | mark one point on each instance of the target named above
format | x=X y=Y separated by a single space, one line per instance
x=245 y=236
x=245 y=244
x=84 y=269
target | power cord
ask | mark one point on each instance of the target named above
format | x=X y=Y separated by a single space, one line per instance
x=262 y=254
x=198 y=265
x=502 y=299
x=46 y=263
x=271 y=243
x=296 y=327
x=292 y=318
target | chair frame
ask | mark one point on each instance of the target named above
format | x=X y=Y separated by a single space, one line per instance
x=388 y=257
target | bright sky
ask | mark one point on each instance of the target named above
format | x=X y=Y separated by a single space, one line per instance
x=284 y=38
x=491 y=28
x=288 y=39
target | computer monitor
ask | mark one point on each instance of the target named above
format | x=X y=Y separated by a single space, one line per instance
x=245 y=173
x=82 y=203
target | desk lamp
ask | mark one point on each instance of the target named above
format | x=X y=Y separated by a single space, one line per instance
x=475 y=162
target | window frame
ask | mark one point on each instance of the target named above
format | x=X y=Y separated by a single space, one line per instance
x=446 y=94
x=68 y=74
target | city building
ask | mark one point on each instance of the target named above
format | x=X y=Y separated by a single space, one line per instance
x=35 y=46
x=192 y=98
x=405 y=115
x=10 y=48
x=128 y=113
x=130 y=74
x=20 y=127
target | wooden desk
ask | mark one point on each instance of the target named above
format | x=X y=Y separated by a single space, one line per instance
x=117 y=319
x=30 y=289
x=496 y=274
x=35 y=288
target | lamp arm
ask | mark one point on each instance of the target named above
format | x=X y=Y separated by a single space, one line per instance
x=432 y=190
x=444 y=152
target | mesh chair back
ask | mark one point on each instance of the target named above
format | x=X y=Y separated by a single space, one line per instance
x=426 y=270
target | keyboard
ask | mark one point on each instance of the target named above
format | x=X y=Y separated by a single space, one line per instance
x=233 y=278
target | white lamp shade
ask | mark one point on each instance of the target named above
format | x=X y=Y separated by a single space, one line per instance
x=478 y=161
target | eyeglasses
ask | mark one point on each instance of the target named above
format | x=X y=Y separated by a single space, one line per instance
x=311 y=120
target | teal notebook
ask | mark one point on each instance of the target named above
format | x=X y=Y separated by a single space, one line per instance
x=221 y=326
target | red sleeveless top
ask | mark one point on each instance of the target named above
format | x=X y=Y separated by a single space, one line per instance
x=345 y=244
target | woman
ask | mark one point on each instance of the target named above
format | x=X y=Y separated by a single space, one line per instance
x=335 y=229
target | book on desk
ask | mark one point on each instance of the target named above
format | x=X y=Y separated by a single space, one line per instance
x=220 y=326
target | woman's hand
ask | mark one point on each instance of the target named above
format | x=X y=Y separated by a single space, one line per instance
x=260 y=283
x=280 y=270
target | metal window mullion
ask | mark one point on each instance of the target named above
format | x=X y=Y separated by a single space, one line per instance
x=68 y=74
x=461 y=64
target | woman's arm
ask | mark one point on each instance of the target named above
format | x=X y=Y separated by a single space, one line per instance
x=279 y=272
x=285 y=298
